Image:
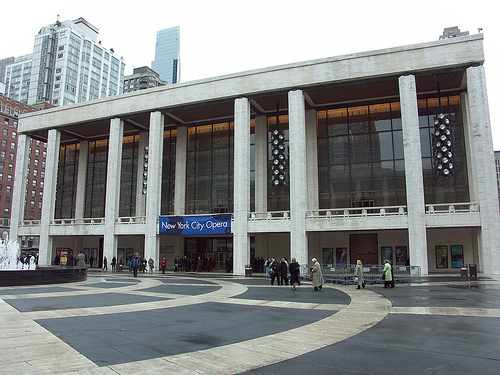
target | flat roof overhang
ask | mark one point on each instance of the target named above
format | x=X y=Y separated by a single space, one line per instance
x=336 y=81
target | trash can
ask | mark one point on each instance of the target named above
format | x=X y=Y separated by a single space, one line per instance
x=472 y=270
x=463 y=270
x=248 y=270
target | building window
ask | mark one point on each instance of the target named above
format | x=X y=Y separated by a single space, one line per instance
x=4 y=143
x=210 y=169
x=168 y=175
x=96 y=182
x=128 y=185
x=360 y=156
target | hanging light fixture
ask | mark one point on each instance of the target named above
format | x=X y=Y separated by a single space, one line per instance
x=442 y=144
x=145 y=170
x=278 y=154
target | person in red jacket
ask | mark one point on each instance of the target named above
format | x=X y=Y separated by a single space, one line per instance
x=163 y=264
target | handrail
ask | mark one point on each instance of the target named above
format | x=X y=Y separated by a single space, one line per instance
x=356 y=212
x=269 y=215
x=451 y=208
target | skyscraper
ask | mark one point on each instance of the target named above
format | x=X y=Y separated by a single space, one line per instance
x=167 y=55
x=68 y=65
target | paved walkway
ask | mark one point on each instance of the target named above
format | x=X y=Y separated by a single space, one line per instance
x=219 y=324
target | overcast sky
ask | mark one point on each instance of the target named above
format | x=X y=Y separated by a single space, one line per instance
x=222 y=36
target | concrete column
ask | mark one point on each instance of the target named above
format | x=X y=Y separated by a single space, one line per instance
x=17 y=208
x=417 y=236
x=153 y=195
x=298 y=176
x=49 y=196
x=241 y=240
x=181 y=149
x=261 y=135
x=113 y=179
x=312 y=160
x=81 y=187
x=140 y=198
x=481 y=159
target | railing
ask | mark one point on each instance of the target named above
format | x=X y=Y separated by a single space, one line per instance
x=357 y=212
x=131 y=220
x=82 y=221
x=30 y=223
x=371 y=273
x=271 y=215
x=451 y=208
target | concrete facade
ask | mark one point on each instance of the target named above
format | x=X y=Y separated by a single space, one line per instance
x=307 y=225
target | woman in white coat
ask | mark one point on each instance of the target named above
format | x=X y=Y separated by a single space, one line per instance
x=317 y=275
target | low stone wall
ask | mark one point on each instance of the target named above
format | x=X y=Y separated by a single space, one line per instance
x=42 y=275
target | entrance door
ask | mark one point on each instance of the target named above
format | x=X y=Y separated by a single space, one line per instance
x=364 y=247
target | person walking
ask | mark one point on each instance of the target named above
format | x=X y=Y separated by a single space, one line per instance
x=80 y=259
x=135 y=263
x=151 y=263
x=91 y=261
x=283 y=272
x=113 y=264
x=70 y=260
x=387 y=274
x=358 y=272
x=317 y=275
x=163 y=264
x=105 y=264
x=274 y=271
x=294 y=269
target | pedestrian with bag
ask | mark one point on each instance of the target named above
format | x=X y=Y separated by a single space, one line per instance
x=317 y=275
x=358 y=272
x=151 y=263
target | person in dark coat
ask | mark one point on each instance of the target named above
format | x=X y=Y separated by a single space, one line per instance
x=294 y=269
x=284 y=272
x=135 y=263
x=70 y=260
x=113 y=264
x=274 y=271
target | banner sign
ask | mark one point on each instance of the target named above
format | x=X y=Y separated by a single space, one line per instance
x=196 y=225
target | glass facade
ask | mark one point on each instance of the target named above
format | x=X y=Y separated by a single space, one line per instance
x=128 y=182
x=361 y=160
x=168 y=172
x=455 y=188
x=67 y=179
x=210 y=169
x=167 y=55
x=95 y=195
x=360 y=157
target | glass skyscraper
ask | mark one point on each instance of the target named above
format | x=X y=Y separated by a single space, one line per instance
x=167 y=55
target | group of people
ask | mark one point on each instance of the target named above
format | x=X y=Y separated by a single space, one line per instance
x=387 y=274
x=28 y=261
x=278 y=271
x=137 y=264
x=186 y=264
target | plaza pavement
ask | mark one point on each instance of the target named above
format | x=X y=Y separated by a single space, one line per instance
x=182 y=323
